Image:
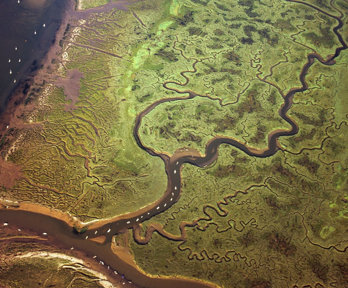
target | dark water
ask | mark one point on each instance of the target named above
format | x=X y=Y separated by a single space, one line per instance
x=27 y=30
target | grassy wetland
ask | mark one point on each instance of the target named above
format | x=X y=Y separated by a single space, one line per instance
x=209 y=137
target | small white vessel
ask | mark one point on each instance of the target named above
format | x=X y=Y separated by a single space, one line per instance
x=44 y=25
x=9 y=60
x=10 y=72
x=19 y=1
x=14 y=81
x=19 y=60
x=35 y=32
x=16 y=48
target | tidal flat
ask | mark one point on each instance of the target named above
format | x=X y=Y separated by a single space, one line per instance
x=191 y=143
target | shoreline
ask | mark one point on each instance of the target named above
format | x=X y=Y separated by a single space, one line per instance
x=40 y=209
x=15 y=103
x=54 y=249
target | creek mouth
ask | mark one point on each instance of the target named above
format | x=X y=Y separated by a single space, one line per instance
x=27 y=31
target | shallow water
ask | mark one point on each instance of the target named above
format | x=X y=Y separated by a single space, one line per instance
x=27 y=30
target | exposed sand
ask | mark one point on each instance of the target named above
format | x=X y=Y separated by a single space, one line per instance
x=39 y=209
x=103 y=280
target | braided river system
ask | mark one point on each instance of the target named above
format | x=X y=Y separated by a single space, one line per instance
x=179 y=143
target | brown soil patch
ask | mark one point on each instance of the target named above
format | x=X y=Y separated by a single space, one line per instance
x=9 y=173
x=71 y=85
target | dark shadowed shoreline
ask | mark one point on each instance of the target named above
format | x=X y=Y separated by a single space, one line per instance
x=27 y=33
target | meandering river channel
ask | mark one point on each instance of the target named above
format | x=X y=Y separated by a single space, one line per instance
x=64 y=235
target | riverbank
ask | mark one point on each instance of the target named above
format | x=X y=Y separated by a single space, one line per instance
x=45 y=247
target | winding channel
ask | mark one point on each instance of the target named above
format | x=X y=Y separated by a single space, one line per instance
x=63 y=233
